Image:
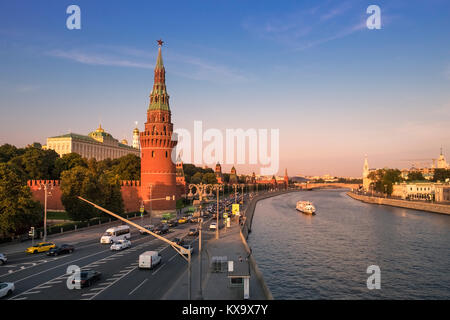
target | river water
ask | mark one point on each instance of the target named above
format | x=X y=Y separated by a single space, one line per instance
x=326 y=256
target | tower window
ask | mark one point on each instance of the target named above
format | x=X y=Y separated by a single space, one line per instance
x=167 y=154
x=153 y=154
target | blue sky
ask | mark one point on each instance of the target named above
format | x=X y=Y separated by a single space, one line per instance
x=335 y=89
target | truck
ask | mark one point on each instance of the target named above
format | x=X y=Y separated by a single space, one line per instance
x=149 y=259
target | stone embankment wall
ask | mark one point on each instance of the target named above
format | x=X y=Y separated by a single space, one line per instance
x=416 y=205
x=246 y=228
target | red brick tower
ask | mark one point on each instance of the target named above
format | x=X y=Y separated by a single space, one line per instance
x=286 y=179
x=158 y=174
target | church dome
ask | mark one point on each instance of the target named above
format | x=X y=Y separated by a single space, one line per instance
x=124 y=141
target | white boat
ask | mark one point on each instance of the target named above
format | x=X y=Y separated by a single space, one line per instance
x=305 y=207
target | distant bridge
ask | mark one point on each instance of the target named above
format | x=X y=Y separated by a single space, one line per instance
x=327 y=185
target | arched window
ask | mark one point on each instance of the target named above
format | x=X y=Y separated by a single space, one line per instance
x=153 y=154
x=167 y=154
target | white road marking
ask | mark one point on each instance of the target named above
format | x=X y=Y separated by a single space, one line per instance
x=31 y=292
x=112 y=284
x=138 y=287
x=158 y=269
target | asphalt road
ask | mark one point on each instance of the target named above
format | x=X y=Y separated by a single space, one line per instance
x=38 y=276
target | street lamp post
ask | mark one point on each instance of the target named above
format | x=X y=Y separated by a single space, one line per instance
x=200 y=190
x=45 y=186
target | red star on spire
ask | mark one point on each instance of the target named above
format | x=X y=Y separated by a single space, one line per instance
x=160 y=42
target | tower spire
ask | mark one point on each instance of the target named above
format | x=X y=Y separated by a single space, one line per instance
x=159 y=98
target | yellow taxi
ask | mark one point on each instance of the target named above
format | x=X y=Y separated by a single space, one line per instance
x=182 y=220
x=40 y=247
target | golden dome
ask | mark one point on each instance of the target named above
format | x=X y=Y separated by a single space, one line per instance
x=100 y=129
x=124 y=141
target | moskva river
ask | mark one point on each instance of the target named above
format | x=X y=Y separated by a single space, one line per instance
x=326 y=256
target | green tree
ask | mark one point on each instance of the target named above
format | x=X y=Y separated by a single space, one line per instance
x=384 y=179
x=67 y=162
x=37 y=163
x=102 y=188
x=441 y=175
x=209 y=178
x=197 y=177
x=18 y=210
x=128 y=167
x=8 y=151
x=79 y=181
x=415 y=176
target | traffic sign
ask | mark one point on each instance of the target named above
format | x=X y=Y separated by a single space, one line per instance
x=235 y=208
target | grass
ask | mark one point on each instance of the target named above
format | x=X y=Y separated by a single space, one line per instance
x=54 y=215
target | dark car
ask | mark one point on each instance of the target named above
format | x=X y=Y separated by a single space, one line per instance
x=87 y=278
x=149 y=227
x=62 y=249
x=178 y=241
x=162 y=229
x=193 y=232
x=172 y=223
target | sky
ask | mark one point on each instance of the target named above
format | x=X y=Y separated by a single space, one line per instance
x=335 y=89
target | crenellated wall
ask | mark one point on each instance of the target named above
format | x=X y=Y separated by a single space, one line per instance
x=54 y=197
x=131 y=194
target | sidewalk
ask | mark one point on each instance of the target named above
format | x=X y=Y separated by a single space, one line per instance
x=216 y=285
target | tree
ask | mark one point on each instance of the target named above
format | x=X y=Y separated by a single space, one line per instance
x=209 y=178
x=79 y=181
x=197 y=178
x=37 y=163
x=102 y=188
x=18 y=211
x=441 y=175
x=8 y=151
x=415 y=176
x=128 y=167
x=67 y=162
x=384 y=179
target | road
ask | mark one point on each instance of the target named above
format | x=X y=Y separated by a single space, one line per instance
x=37 y=276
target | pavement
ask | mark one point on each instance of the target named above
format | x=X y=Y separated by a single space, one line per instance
x=216 y=285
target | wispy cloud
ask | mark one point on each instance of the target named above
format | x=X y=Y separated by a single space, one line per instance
x=122 y=56
x=309 y=27
x=96 y=59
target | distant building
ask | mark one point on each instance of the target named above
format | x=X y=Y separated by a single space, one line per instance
x=218 y=173
x=98 y=144
x=441 y=162
x=136 y=143
x=233 y=176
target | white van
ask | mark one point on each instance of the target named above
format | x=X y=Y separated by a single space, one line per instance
x=149 y=259
x=115 y=234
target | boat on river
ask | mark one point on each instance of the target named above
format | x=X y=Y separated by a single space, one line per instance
x=306 y=207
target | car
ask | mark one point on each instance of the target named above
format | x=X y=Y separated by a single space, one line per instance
x=87 y=278
x=212 y=226
x=172 y=223
x=6 y=289
x=193 y=232
x=189 y=247
x=178 y=241
x=3 y=259
x=41 y=247
x=120 y=245
x=64 y=248
x=182 y=220
x=149 y=259
x=149 y=227
x=162 y=229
